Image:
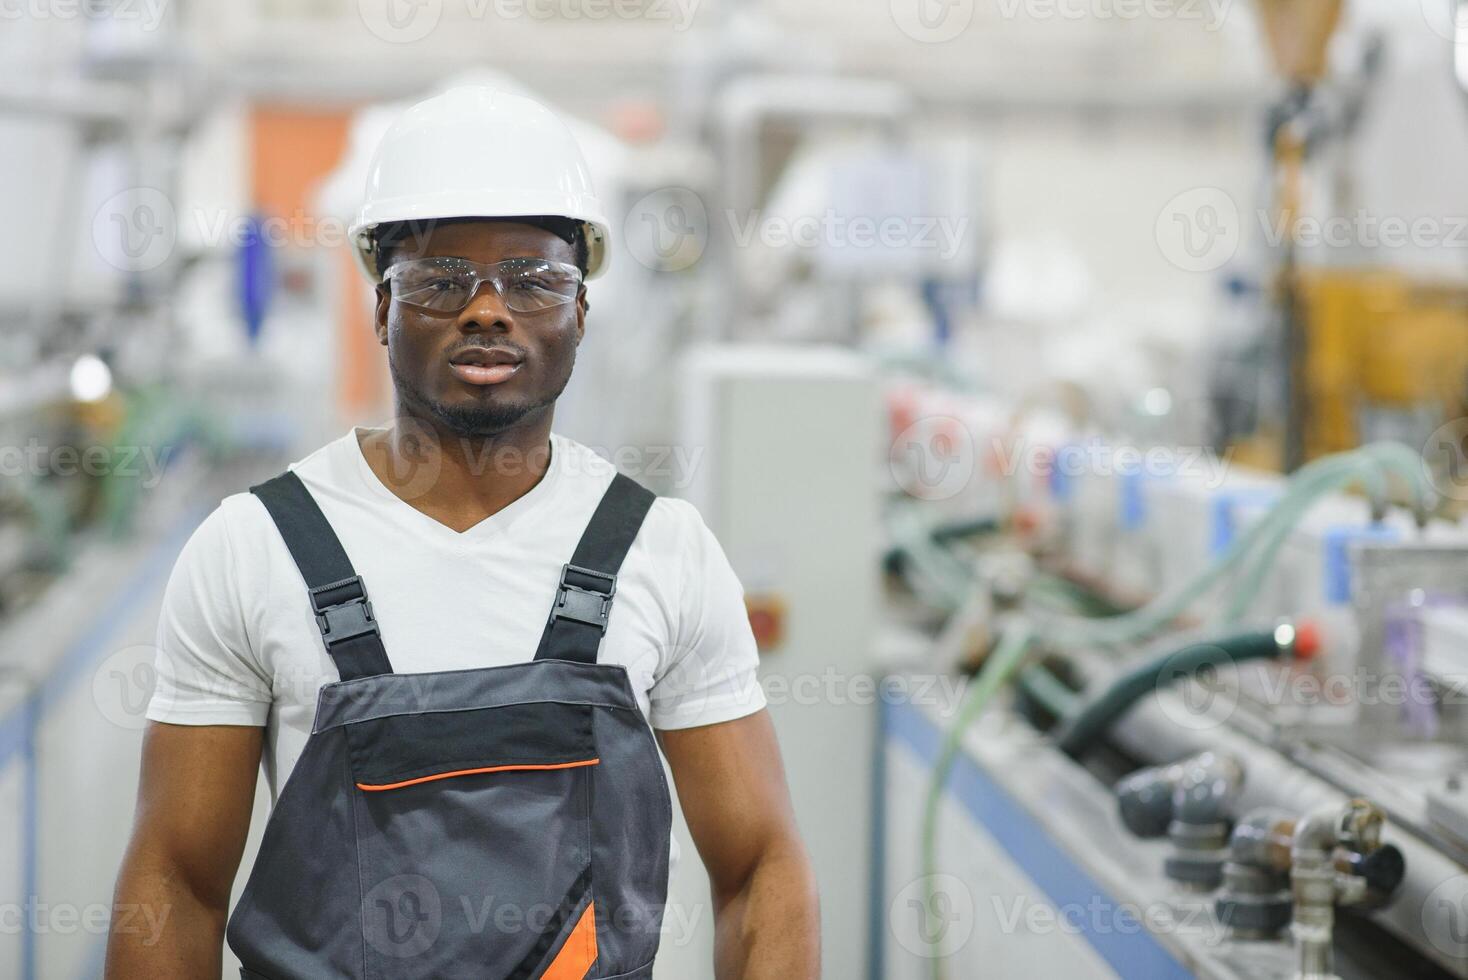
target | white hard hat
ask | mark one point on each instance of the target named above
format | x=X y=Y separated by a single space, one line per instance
x=478 y=152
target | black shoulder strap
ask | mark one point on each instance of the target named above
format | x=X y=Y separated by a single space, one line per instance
x=338 y=596
x=583 y=602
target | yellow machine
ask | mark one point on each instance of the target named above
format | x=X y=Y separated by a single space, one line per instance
x=1377 y=344
x=1366 y=349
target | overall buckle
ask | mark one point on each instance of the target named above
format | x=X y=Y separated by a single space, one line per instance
x=590 y=606
x=345 y=618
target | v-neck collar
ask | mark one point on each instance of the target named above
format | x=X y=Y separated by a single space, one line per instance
x=498 y=522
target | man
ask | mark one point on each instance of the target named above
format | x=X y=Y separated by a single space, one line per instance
x=473 y=789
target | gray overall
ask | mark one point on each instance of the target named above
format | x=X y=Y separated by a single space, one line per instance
x=492 y=823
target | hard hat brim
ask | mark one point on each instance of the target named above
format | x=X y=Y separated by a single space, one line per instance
x=452 y=205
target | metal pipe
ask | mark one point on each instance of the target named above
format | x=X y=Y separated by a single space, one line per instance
x=1434 y=889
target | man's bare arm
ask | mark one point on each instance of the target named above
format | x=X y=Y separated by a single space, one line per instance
x=193 y=815
x=732 y=786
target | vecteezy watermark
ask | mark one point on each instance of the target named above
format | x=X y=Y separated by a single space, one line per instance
x=932 y=21
x=95 y=918
x=934 y=458
x=1201 y=695
x=932 y=916
x=1096 y=457
x=1199 y=229
x=147 y=15
x=123 y=686
x=400 y=21
x=944 y=692
x=667 y=229
x=1100 y=916
x=1211 y=14
x=678 y=14
x=1445 y=459
x=1190 y=694
x=941 y=235
x=1445 y=917
x=405 y=915
x=937 y=457
x=936 y=21
x=142 y=463
x=1366 y=230
x=402 y=916
x=416 y=465
x=136 y=229
x=407 y=21
x=1448 y=19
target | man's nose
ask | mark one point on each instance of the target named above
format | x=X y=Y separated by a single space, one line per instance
x=486 y=310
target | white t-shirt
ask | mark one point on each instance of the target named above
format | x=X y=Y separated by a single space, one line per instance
x=238 y=645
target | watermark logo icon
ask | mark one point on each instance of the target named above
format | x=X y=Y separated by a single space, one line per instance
x=933 y=459
x=1201 y=702
x=1448 y=19
x=1445 y=459
x=932 y=916
x=415 y=467
x=402 y=916
x=135 y=230
x=1199 y=229
x=123 y=685
x=1445 y=917
x=400 y=21
x=932 y=21
x=667 y=230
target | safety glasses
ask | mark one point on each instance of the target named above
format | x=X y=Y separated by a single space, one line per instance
x=446 y=284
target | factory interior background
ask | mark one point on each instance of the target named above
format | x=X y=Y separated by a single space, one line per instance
x=1079 y=389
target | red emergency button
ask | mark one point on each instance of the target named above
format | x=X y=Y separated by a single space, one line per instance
x=767 y=620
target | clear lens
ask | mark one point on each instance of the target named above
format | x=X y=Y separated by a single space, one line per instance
x=445 y=285
x=537 y=286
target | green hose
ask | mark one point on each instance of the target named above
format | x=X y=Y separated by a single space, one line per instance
x=1253 y=574
x=933 y=570
x=998 y=667
x=1045 y=689
x=1368 y=465
x=1085 y=727
x=1311 y=482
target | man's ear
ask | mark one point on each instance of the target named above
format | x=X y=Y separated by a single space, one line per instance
x=581 y=307
x=379 y=313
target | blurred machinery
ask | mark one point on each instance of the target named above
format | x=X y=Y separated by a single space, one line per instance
x=1149 y=713
x=1386 y=357
x=1359 y=350
x=1265 y=668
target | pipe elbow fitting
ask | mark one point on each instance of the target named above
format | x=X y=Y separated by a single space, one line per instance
x=1356 y=826
x=1196 y=791
x=1263 y=840
x=1206 y=789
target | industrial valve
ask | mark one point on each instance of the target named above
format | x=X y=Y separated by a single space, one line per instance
x=1188 y=801
x=1281 y=868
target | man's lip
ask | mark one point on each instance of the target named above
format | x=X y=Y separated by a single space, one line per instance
x=485 y=374
x=485 y=357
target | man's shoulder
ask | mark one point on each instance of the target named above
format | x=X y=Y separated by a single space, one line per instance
x=594 y=471
x=241 y=515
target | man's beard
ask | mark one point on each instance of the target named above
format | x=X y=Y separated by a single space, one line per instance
x=469 y=421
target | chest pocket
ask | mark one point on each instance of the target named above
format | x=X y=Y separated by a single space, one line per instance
x=475 y=841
